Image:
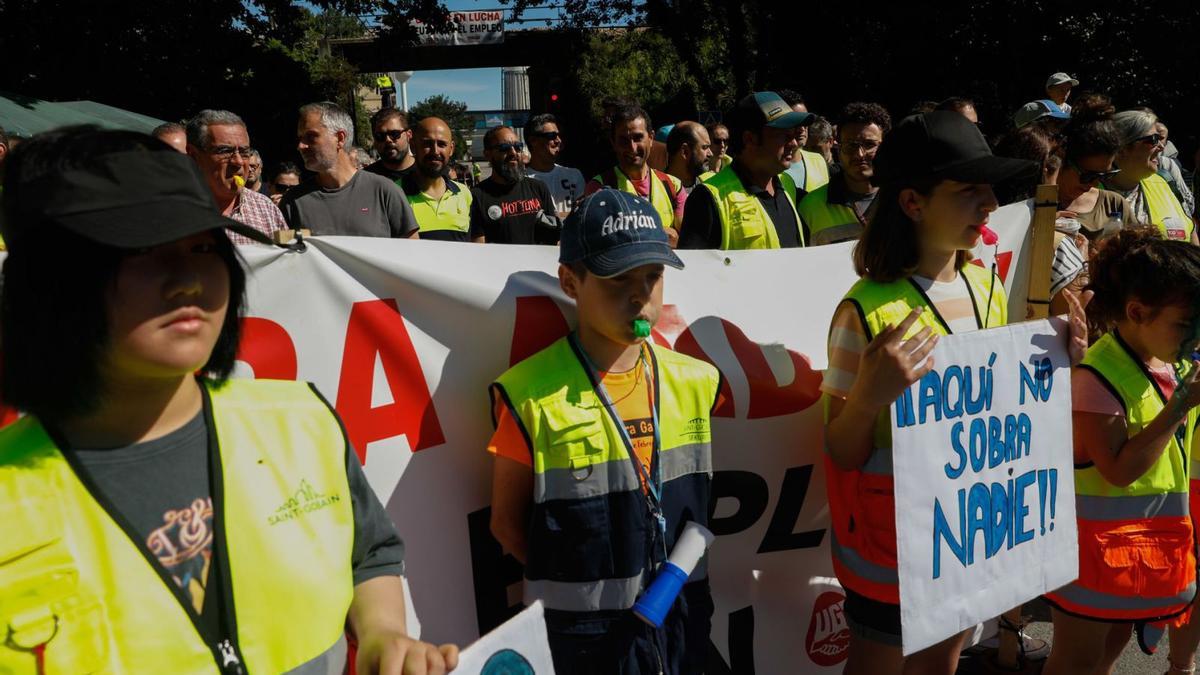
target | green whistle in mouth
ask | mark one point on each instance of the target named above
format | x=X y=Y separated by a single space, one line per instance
x=641 y=328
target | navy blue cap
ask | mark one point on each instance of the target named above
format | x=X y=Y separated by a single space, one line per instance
x=612 y=232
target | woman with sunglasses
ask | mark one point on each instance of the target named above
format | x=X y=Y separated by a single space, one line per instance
x=1149 y=195
x=1091 y=148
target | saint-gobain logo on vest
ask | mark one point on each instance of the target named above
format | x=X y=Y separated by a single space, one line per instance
x=828 y=635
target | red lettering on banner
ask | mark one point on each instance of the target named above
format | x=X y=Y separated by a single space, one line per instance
x=1003 y=262
x=538 y=323
x=669 y=327
x=268 y=349
x=377 y=329
x=767 y=398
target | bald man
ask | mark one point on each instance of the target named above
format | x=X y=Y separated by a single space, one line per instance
x=173 y=134
x=442 y=206
x=690 y=153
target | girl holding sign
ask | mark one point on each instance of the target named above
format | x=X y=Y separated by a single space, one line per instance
x=1134 y=400
x=936 y=174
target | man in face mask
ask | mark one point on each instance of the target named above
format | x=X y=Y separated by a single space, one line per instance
x=508 y=207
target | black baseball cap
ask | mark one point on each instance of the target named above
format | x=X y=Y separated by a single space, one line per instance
x=942 y=144
x=130 y=199
x=612 y=232
x=768 y=109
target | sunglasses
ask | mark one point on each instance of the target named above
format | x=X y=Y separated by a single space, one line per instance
x=1092 y=176
x=394 y=134
x=548 y=135
x=1152 y=139
x=507 y=147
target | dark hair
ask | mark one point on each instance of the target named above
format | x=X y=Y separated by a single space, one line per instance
x=888 y=249
x=790 y=97
x=3 y=136
x=684 y=132
x=955 y=104
x=1092 y=106
x=1032 y=142
x=1085 y=139
x=54 y=302
x=280 y=168
x=1138 y=262
x=489 y=138
x=922 y=107
x=629 y=113
x=536 y=122
x=385 y=114
x=860 y=112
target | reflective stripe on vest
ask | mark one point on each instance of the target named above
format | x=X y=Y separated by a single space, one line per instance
x=745 y=224
x=862 y=502
x=587 y=494
x=828 y=223
x=659 y=197
x=450 y=213
x=1165 y=210
x=1136 y=544
x=282 y=482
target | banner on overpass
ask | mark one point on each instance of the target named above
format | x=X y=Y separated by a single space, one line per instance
x=467 y=28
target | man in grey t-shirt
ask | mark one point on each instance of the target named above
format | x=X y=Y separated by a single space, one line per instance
x=341 y=199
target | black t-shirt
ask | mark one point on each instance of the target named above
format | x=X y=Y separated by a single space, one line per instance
x=521 y=213
x=378 y=168
x=702 y=223
x=162 y=488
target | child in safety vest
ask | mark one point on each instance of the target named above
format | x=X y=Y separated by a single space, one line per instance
x=1134 y=412
x=160 y=516
x=603 y=456
x=935 y=173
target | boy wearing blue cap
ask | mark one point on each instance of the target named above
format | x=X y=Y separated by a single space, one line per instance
x=603 y=455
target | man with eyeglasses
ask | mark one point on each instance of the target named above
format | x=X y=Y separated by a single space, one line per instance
x=545 y=143
x=254 y=167
x=839 y=210
x=220 y=145
x=391 y=135
x=751 y=204
x=509 y=207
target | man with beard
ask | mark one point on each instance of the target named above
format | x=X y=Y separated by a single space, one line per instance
x=751 y=204
x=690 y=152
x=838 y=211
x=442 y=206
x=632 y=140
x=391 y=133
x=508 y=207
x=340 y=199
x=545 y=145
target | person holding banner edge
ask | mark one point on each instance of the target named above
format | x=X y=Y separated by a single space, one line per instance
x=603 y=455
x=1134 y=412
x=159 y=515
x=935 y=172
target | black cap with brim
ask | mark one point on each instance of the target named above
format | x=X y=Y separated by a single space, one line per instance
x=621 y=259
x=942 y=145
x=988 y=170
x=132 y=199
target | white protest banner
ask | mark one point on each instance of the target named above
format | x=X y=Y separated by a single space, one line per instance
x=518 y=647
x=1010 y=258
x=466 y=28
x=985 y=491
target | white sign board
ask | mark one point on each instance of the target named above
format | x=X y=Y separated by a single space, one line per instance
x=467 y=28
x=517 y=647
x=985 y=488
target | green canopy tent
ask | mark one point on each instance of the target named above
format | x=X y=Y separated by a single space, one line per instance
x=25 y=116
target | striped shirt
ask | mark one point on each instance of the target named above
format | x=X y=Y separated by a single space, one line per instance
x=258 y=211
x=848 y=337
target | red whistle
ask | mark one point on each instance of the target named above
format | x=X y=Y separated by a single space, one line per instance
x=989 y=236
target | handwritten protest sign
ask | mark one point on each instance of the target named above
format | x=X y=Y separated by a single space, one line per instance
x=985 y=499
x=518 y=647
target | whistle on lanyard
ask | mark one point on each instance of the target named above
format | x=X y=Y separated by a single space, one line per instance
x=641 y=328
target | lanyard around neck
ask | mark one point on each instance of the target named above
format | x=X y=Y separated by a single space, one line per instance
x=653 y=481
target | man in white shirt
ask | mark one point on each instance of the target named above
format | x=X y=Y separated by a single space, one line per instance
x=545 y=143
